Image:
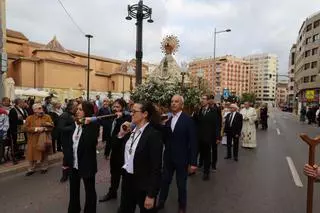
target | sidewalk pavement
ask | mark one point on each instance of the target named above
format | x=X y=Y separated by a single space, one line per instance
x=8 y=168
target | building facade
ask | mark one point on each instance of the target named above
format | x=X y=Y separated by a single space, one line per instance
x=54 y=69
x=291 y=83
x=306 y=66
x=264 y=70
x=282 y=93
x=231 y=74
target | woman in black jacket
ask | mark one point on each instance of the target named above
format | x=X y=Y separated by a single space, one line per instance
x=141 y=171
x=82 y=158
x=116 y=158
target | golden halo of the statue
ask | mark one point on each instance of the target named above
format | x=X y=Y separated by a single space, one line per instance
x=170 y=44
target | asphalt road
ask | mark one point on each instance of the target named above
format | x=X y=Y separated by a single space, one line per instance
x=261 y=182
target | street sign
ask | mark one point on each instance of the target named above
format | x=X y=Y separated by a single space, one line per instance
x=3 y=62
x=310 y=94
x=226 y=93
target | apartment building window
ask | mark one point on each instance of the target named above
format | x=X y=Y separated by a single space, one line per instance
x=307 y=66
x=314 y=51
x=313 y=78
x=314 y=64
x=291 y=88
x=316 y=24
x=309 y=27
x=308 y=40
x=316 y=37
x=307 y=53
x=306 y=79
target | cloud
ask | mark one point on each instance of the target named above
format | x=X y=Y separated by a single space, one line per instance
x=257 y=26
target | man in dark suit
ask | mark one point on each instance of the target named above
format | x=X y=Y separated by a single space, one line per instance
x=208 y=125
x=17 y=116
x=180 y=152
x=233 y=127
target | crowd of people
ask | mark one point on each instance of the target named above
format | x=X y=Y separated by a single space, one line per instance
x=310 y=113
x=145 y=144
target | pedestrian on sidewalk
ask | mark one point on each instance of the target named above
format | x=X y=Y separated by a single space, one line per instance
x=66 y=127
x=116 y=158
x=56 y=138
x=38 y=150
x=232 y=129
x=303 y=113
x=4 y=126
x=141 y=172
x=81 y=156
x=318 y=116
x=180 y=153
x=17 y=117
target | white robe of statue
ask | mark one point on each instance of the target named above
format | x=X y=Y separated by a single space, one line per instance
x=9 y=90
x=249 y=139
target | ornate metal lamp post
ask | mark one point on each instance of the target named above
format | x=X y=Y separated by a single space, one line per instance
x=139 y=11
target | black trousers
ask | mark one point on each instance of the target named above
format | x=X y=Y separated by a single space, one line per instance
x=131 y=196
x=214 y=154
x=90 y=190
x=205 y=153
x=115 y=170
x=230 y=138
x=181 y=177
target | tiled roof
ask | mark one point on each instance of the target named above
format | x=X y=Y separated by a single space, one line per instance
x=54 y=45
x=16 y=34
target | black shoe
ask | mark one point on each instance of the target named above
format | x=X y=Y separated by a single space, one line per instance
x=107 y=197
x=29 y=173
x=227 y=157
x=236 y=159
x=44 y=171
x=160 y=206
x=205 y=177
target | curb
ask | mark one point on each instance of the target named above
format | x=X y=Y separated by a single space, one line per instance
x=23 y=165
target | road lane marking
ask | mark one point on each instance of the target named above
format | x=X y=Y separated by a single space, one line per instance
x=295 y=175
x=278 y=131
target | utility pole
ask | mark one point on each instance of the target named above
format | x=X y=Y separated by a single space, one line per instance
x=88 y=70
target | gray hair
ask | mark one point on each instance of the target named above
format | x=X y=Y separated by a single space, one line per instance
x=36 y=105
x=181 y=98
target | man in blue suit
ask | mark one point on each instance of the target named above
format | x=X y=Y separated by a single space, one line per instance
x=180 y=152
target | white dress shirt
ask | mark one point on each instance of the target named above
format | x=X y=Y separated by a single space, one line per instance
x=130 y=148
x=174 y=120
x=76 y=138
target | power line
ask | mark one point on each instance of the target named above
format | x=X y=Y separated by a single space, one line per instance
x=73 y=21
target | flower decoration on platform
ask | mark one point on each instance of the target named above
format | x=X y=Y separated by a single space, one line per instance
x=170 y=44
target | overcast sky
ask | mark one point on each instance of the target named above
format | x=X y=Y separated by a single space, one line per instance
x=269 y=26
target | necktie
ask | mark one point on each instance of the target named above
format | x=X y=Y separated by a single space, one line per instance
x=230 y=120
x=113 y=126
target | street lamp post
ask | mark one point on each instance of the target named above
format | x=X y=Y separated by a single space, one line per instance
x=139 y=11
x=88 y=69
x=214 y=52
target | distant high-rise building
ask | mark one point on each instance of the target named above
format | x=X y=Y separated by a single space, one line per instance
x=292 y=59
x=264 y=71
x=231 y=74
x=305 y=65
x=282 y=92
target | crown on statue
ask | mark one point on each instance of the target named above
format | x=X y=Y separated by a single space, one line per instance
x=170 y=44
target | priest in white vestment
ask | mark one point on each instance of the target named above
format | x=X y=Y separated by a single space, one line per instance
x=249 y=114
